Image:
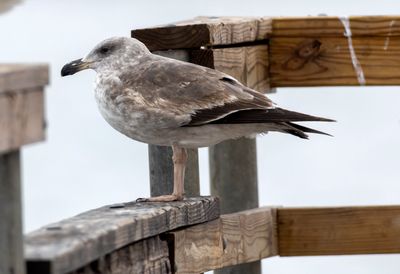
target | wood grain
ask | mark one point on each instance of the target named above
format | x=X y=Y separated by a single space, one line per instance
x=75 y=242
x=11 y=252
x=21 y=118
x=326 y=61
x=205 y=31
x=146 y=256
x=22 y=76
x=337 y=231
x=249 y=65
x=233 y=239
x=318 y=26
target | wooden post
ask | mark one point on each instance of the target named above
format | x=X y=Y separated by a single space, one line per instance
x=160 y=158
x=11 y=251
x=21 y=122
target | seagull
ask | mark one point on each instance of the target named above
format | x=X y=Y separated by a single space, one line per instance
x=167 y=102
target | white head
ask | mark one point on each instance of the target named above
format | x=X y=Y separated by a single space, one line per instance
x=108 y=54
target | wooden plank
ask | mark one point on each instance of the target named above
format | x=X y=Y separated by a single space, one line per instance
x=160 y=157
x=146 y=256
x=339 y=231
x=11 y=252
x=75 y=242
x=205 y=31
x=327 y=61
x=249 y=64
x=21 y=118
x=318 y=26
x=233 y=239
x=22 y=76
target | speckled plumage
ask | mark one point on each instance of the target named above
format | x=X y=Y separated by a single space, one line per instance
x=162 y=101
x=156 y=100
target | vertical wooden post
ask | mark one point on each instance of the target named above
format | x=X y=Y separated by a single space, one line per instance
x=160 y=158
x=233 y=178
x=11 y=251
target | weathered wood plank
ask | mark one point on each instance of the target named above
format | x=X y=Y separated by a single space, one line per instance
x=248 y=64
x=205 y=31
x=337 y=231
x=21 y=118
x=233 y=239
x=319 y=26
x=73 y=243
x=146 y=256
x=22 y=76
x=11 y=252
x=160 y=157
x=327 y=61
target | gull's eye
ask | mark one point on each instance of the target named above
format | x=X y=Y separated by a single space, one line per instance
x=104 y=50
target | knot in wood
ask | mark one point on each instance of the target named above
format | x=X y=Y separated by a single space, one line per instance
x=304 y=53
x=309 y=49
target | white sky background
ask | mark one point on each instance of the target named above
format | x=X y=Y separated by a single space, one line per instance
x=86 y=164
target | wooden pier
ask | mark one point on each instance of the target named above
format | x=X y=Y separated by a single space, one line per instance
x=230 y=233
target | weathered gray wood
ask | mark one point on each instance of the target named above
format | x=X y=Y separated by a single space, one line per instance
x=160 y=158
x=11 y=252
x=233 y=174
x=21 y=118
x=146 y=256
x=75 y=242
x=22 y=76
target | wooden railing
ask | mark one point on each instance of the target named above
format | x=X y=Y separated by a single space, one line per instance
x=191 y=236
x=21 y=122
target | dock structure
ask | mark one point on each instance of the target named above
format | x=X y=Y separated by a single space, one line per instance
x=231 y=233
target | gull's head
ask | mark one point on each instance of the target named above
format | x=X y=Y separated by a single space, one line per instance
x=108 y=54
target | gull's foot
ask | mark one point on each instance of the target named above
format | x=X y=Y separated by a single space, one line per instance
x=162 y=198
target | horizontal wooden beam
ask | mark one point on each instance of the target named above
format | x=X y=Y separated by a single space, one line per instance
x=332 y=61
x=73 y=243
x=22 y=118
x=23 y=76
x=21 y=105
x=205 y=31
x=303 y=51
x=338 y=231
x=145 y=256
x=233 y=239
x=328 y=26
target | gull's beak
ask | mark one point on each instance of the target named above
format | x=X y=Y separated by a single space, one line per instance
x=74 y=66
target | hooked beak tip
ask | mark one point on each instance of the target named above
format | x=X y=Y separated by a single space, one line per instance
x=74 y=67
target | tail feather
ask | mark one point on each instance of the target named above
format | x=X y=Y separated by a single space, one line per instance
x=267 y=116
x=299 y=131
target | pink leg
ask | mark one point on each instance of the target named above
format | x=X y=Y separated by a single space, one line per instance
x=179 y=158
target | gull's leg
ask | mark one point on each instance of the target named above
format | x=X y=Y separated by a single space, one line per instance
x=179 y=158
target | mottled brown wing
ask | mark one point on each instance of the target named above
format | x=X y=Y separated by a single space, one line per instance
x=181 y=88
